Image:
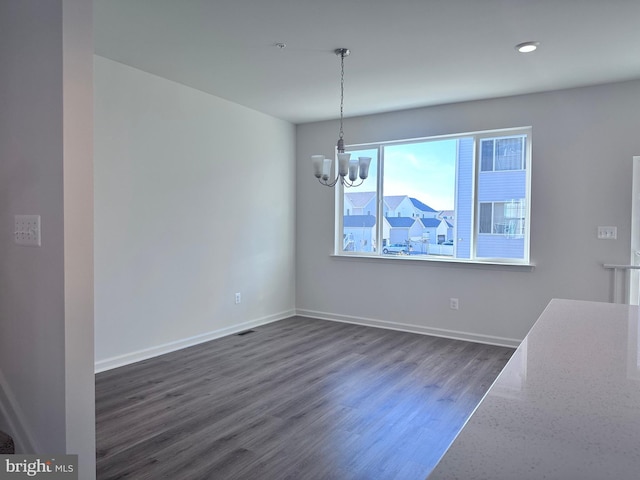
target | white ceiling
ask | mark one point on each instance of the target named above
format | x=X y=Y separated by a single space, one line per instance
x=405 y=53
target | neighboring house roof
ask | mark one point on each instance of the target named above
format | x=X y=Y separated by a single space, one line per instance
x=430 y=222
x=393 y=201
x=421 y=206
x=446 y=213
x=449 y=224
x=352 y=221
x=360 y=199
x=397 y=222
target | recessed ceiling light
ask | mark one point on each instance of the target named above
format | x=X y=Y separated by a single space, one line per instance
x=527 y=47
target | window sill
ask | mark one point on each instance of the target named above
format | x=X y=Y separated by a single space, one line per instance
x=448 y=262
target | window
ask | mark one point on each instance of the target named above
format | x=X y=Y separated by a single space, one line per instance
x=506 y=153
x=502 y=218
x=459 y=197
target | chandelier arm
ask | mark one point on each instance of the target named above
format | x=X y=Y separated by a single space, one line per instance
x=329 y=184
x=342 y=180
x=349 y=184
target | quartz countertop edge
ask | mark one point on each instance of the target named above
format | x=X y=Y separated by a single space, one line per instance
x=566 y=406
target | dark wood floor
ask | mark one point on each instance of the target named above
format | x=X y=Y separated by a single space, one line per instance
x=297 y=399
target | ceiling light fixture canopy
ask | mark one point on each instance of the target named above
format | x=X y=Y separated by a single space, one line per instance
x=527 y=47
x=349 y=169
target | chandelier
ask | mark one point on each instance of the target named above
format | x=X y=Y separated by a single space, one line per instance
x=352 y=172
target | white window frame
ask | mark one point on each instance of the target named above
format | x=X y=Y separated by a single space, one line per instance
x=476 y=171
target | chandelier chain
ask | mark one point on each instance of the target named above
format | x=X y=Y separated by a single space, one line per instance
x=341 y=92
x=347 y=170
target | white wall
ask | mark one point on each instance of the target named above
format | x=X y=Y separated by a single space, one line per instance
x=194 y=201
x=46 y=302
x=31 y=279
x=583 y=143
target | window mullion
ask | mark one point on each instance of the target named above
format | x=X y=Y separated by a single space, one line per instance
x=380 y=193
x=495 y=154
x=475 y=210
x=493 y=218
x=339 y=205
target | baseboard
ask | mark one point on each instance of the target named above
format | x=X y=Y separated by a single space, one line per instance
x=12 y=420
x=137 y=356
x=404 y=327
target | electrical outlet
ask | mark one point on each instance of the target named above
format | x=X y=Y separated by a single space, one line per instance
x=453 y=303
x=607 y=233
x=238 y=298
x=27 y=230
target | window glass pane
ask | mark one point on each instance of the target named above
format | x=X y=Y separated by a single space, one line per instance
x=485 y=218
x=359 y=209
x=509 y=154
x=514 y=214
x=419 y=198
x=499 y=225
x=486 y=154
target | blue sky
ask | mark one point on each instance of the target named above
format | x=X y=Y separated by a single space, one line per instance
x=425 y=171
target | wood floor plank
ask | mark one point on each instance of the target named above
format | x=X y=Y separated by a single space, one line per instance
x=298 y=398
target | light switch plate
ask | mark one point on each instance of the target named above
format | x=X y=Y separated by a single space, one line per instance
x=607 y=233
x=27 y=230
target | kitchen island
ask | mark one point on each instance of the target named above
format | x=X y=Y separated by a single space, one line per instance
x=566 y=406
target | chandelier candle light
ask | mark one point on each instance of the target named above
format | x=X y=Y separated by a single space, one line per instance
x=349 y=169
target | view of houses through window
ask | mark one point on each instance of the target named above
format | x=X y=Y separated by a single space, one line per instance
x=462 y=197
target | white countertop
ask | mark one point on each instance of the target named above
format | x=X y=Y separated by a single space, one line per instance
x=566 y=406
